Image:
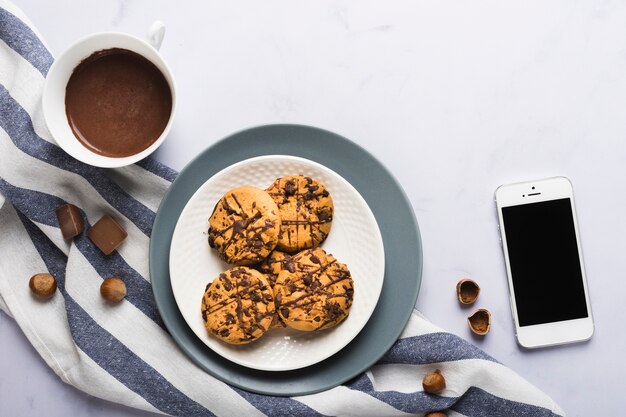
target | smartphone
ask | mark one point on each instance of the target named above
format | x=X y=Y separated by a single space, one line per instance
x=544 y=262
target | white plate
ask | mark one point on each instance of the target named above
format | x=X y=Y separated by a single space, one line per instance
x=354 y=240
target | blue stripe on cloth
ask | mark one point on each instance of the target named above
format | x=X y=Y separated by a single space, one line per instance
x=416 y=402
x=475 y=402
x=152 y=165
x=18 y=125
x=40 y=207
x=479 y=403
x=24 y=41
x=106 y=350
x=432 y=348
x=278 y=406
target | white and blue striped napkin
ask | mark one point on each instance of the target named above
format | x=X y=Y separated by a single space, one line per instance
x=123 y=353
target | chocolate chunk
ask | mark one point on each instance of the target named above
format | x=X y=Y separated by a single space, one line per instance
x=307 y=280
x=107 y=234
x=333 y=310
x=70 y=220
x=238 y=226
x=290 y=187
x=289 y=266
x=324 y=216
x=315 y=259
x=284 y=312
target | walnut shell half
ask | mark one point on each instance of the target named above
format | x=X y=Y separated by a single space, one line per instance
x=467 y=291
x=480 y=321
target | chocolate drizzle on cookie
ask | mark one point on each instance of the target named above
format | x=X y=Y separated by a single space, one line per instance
x=244 y=232
x=317 y=295
x=306 y=211
x=242 y=310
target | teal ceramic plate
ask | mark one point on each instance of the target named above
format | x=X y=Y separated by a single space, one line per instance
x=393 y=212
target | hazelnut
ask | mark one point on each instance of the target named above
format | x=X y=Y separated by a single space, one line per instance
x=480 y=321
x=43 y=285
x=436 y=414
x=113 y=289
x=467 y=291
x=434 y=382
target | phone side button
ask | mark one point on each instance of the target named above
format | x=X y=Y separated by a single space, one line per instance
x=513 y=312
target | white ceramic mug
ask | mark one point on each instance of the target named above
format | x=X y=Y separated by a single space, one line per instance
x=61 y=70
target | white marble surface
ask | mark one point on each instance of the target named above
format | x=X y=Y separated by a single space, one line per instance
x=454 y=97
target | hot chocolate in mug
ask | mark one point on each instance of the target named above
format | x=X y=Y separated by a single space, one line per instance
x=109 y=100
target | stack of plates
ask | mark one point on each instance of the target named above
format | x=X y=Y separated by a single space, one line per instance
x=374 y=232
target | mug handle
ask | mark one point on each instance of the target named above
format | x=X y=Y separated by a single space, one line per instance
x=156 y=33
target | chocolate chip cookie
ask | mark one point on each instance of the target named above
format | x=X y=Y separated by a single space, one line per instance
x=271 y=267
x=244 y=226
x=306 y=211
x=317 y=294
x=238 y=306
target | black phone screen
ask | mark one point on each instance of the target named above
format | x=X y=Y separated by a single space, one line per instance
x=545 y=264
